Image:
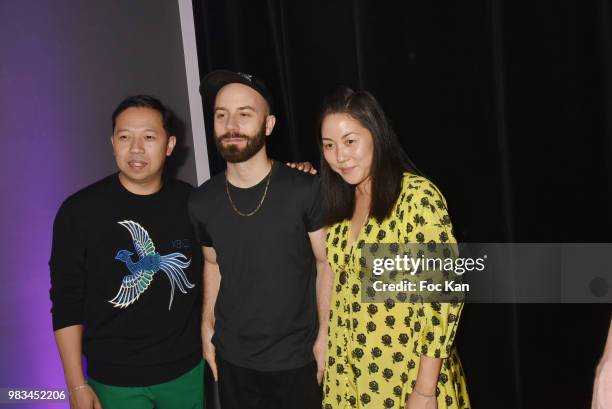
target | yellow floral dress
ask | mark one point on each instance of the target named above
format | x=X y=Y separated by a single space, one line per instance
x=374 y=348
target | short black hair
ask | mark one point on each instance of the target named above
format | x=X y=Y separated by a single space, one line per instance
x=146 y=101
x=388 y=164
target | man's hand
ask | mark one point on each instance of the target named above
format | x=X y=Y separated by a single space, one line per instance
x=211 y=282
x=324 y=284
x=305 y=167
x=84 y=398
x=209 y=350
x=320 y=349
x=69 y=341
x=416 y=401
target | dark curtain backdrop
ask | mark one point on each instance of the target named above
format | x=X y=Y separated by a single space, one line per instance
x=504 y=104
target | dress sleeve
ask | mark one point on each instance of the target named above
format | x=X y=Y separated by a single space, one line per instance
x=426 y=221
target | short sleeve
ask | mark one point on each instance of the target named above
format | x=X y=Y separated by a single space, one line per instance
x=428 y=222
x=199 y=227
x=68 y=272
x=313 y=209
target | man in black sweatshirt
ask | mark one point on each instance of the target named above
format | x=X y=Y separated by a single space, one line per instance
x=126 y=276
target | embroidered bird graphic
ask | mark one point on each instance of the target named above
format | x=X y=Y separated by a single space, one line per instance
x=149 y=263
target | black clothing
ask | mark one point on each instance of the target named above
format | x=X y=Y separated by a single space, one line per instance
x=266 y=312
x=107 y=275
x=241 y=388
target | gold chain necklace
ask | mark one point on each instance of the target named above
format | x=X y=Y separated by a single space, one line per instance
x=260 y=202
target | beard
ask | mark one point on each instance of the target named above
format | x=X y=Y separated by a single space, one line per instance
x=234 y=154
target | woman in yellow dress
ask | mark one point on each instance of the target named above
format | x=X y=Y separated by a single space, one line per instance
x=394 y=354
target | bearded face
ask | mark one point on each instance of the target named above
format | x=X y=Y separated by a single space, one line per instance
x=237 y=147
x=242 y=121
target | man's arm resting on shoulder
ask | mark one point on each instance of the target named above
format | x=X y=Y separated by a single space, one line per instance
x=325 y=281
x=212 y=281
x=305 y=167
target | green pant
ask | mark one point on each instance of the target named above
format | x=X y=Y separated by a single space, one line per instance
x=184 y=392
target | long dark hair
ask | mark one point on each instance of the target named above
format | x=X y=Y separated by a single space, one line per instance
x=388 y=163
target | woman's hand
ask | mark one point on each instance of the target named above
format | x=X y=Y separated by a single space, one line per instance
x=423 y=395
x=416 y=401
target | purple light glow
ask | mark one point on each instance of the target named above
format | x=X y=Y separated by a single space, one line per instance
x=64 y=66
x=34 y=177
x=44 y=161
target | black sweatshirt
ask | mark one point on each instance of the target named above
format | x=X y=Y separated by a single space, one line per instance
x=128 y=268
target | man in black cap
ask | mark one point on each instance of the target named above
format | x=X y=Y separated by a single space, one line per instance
x=267 y=282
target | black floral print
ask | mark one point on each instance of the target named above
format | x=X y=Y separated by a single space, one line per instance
x=375 y=349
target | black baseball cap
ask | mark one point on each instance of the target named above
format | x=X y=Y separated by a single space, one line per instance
x=215 y=80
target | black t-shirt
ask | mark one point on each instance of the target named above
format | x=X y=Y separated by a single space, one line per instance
x=113 y=256
x=266 y=313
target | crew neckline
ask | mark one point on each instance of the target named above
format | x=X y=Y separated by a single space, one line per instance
x=255 y=186
x=124 y=190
